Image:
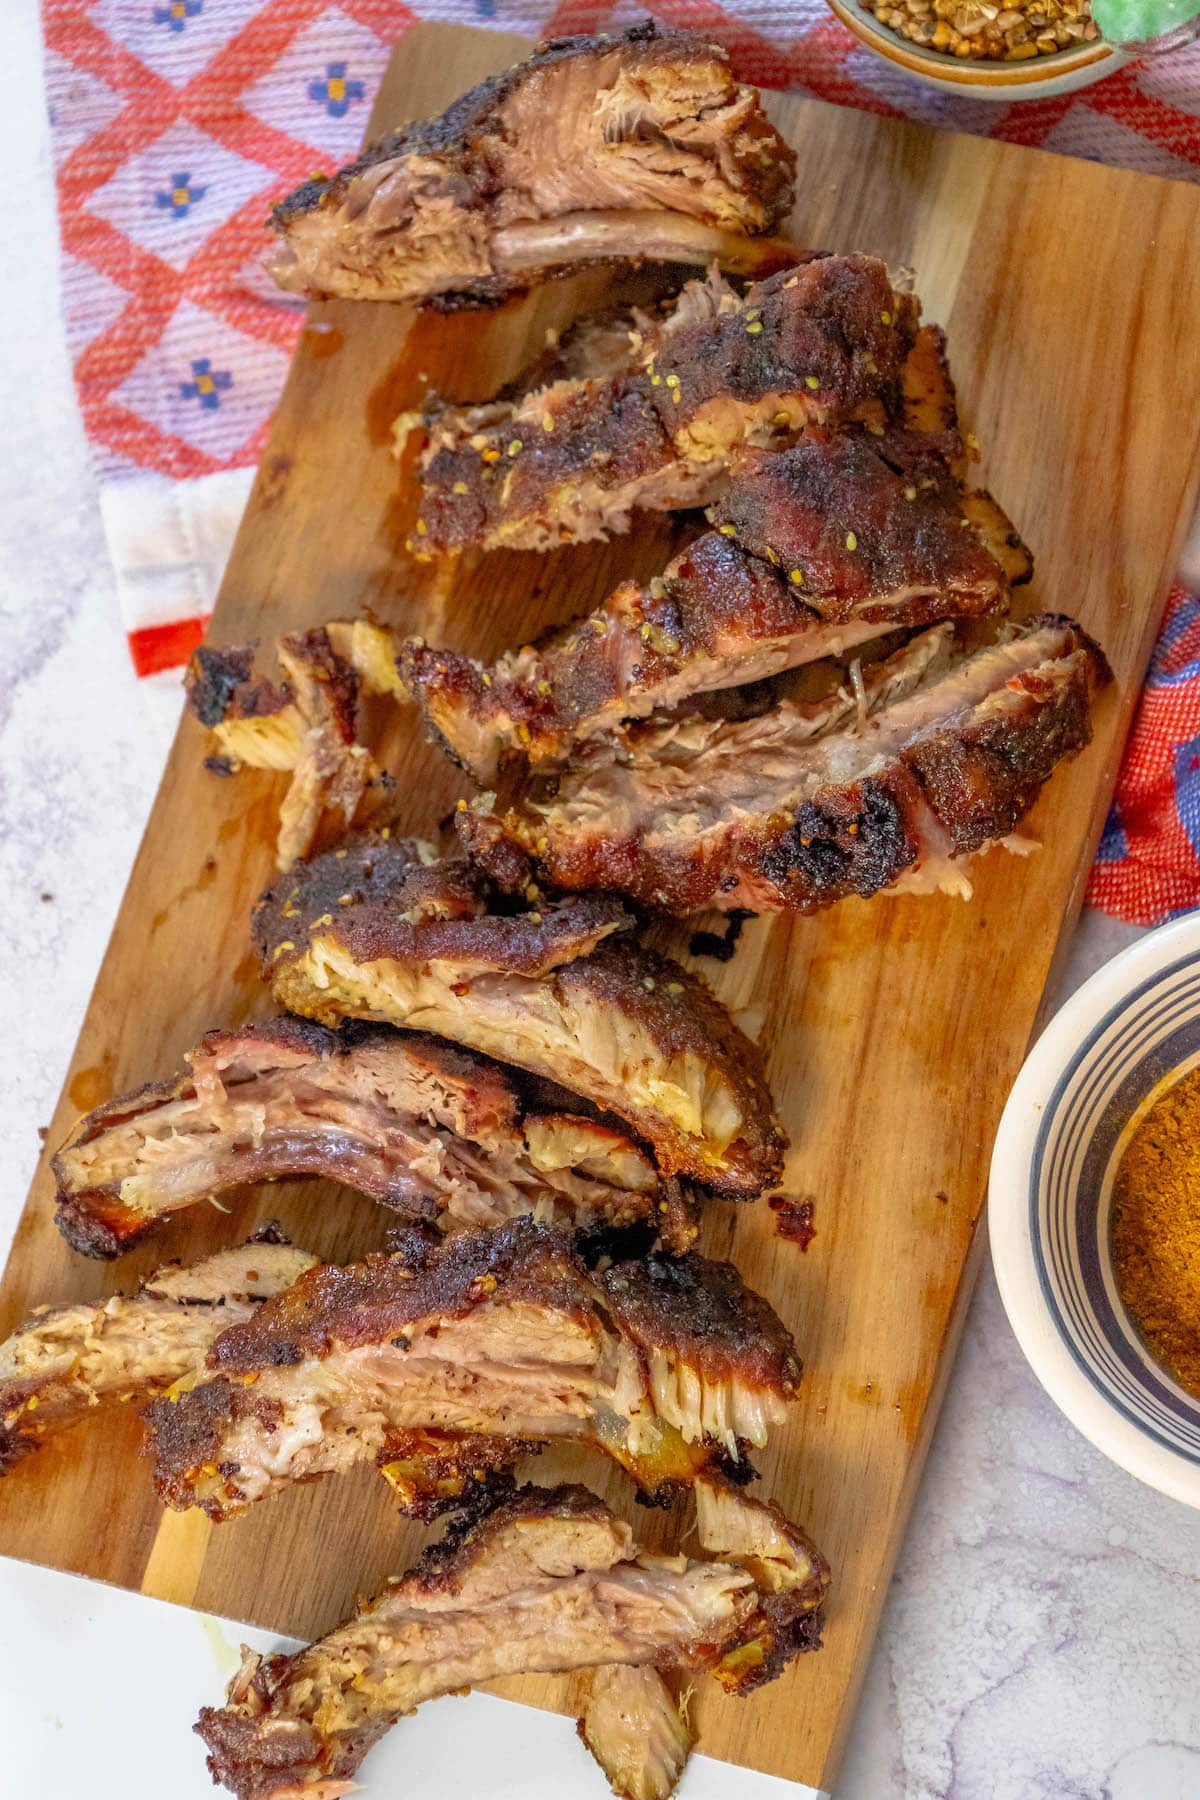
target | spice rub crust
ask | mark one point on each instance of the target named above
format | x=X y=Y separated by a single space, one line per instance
x=628 y=1029
x=570 y=462
x=372 y=1301
x=506 y=1336
x=783 y=813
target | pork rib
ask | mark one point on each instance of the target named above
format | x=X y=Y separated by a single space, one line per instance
x=547 y=1580
x=667 y=1365
x=373 y=931
x=306 y=725
x=570 y=462
x=816 y=550
x=781 y=813
x=636 y=1730
x=67 y=1360
x=440 y=1135
x=626 y=148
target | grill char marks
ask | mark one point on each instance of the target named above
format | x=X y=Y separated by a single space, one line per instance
x=433 y=1131
x=819 y=344
x=68 y=1360
x=774 y=814
x=702 y=1313
x=435 y=1472
x=855 y=522
x=222 y=687
x=716 y=617
x=817 y=549
x=505 y=1335
x=547 y=990
x=547 y=1580
x=593 y=149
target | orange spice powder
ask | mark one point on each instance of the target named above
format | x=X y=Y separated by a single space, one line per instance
x=1156 y=1231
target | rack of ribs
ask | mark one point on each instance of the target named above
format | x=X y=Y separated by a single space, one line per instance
x=437 y=1133
x=547 y=1580
x=67 y=1360
x=820 y=344
x=933 y=756
x=815 y=551
x=381 y=929
x=630 y=148
x=501 y=1337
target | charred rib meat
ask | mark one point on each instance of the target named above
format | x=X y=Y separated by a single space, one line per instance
x=307 y=725
x=376 y=931
x=549 y=1579
x=784 y=813
x=667 y=1365
x=594 y=149
x=815 y=345
x=69 y=1359
x=435 y=1132
x=816 y=550
x=538 y=1583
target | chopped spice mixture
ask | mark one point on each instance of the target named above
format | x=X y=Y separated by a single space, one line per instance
x=1156 y=1231
x=980 y=29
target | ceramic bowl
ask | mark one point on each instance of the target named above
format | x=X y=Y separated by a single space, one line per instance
x=1036 y=79
x=1117 y=1044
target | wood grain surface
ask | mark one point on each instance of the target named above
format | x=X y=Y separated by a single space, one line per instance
x=893 y=1029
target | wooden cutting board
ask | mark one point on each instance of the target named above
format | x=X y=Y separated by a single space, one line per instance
x=893 y=1029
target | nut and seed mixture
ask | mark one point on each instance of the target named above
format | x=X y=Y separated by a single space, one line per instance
x=981 y=28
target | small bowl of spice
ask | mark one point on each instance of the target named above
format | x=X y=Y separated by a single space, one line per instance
x=1094 y=1209
x=993 y=49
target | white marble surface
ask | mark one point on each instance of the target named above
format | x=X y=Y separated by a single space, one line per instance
x=1042 y=1637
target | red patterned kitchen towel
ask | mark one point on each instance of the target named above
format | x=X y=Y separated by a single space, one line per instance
x=175 y=123
x=1148 y=865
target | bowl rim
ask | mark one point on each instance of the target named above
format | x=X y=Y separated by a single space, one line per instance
x=961 y=72
x=1106 y=993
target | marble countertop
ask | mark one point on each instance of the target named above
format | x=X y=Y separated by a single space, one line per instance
x=1041 y=1639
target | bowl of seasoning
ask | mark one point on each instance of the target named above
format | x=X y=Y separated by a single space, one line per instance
x=1094 y=1209
x=993 y=49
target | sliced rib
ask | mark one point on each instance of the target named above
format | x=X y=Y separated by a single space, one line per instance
x=308 y=726
x=819 y=344
x=593 y=149
x=816 y=550
x=439 y=1134
x=548 y=1580
x=636 y=1730
x=784 y=813
x=372 y=931
x=670 y=1366
x=67 y=1360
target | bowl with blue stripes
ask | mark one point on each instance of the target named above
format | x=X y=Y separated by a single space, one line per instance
x=1120 y=1042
